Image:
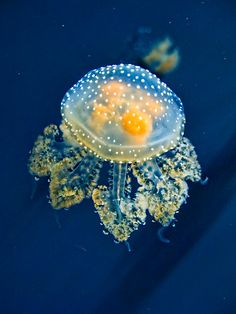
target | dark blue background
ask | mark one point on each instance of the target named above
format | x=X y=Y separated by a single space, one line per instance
x=61 y=262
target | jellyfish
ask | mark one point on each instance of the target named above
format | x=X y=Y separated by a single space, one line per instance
x=161 y=58
x=124 y=117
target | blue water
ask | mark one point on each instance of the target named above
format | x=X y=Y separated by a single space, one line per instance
x=61 y=262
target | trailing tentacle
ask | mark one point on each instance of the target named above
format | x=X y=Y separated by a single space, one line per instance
x=115 y=208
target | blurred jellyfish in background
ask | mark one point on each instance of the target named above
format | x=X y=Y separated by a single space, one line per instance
x=157 y=54
x=161 y=58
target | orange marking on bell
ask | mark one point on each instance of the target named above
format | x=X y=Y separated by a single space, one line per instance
x=137 y=123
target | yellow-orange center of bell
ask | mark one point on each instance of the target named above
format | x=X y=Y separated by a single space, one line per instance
x=136 y=122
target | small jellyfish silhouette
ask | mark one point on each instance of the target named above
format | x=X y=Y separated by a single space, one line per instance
x=124 y=116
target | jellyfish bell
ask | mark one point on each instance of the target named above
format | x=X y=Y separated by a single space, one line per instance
x=122 y=113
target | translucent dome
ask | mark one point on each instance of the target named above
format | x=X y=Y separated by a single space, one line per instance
x=122 y=113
